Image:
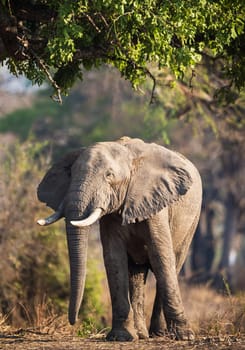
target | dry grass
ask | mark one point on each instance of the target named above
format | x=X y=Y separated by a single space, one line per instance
x=212 y=314
x=209 y=313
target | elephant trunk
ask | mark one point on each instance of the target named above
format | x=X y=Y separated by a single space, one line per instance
x=77 y=205
x=77 y=240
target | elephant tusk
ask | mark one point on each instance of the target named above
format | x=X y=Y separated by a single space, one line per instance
x=93 y=217
x=52 y=218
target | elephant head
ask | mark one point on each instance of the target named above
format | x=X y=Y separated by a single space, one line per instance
x=128 y=177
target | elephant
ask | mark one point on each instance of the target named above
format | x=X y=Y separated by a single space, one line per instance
x=147 y=200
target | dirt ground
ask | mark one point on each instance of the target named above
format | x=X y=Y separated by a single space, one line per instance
x=31 y=340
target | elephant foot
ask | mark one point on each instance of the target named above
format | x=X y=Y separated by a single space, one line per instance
x=142 y=333
x=121 y=335
x=158 y=327
x=181 y=333
x=154 y=333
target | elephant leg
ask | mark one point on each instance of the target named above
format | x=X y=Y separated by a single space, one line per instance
x=157 y=324
x=182 y=252
x=137 y=279
x=116 y=264
x=162 y=259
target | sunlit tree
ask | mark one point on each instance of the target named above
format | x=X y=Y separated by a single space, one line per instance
x=56 y=39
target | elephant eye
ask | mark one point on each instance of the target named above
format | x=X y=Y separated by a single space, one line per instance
x=109 y=175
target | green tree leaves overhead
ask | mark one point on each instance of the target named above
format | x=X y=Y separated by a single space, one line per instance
x=39 y=37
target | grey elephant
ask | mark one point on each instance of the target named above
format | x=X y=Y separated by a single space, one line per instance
x=147 y=200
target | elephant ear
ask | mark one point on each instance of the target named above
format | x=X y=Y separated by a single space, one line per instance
x=54 y=185
x=159 y=178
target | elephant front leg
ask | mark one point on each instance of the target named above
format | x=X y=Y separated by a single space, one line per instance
x=137 y=279
x=116 y=264
x=162 y=258
x=157 y=324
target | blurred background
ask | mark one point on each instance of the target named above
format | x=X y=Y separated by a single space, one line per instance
x=35 y=131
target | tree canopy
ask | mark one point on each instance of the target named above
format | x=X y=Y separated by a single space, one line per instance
x=56 y=39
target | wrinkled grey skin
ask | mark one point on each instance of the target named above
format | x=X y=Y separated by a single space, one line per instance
x=151 y=200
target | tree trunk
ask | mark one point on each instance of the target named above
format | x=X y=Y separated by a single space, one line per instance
x=209 y=241
x=230 y=223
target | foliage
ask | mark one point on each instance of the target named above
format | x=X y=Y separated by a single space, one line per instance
x=92 y=312
x=24 y=122
x=79 y=122
x=92 y=308
x=201 y=101
x=64 y=36
x=34 y=265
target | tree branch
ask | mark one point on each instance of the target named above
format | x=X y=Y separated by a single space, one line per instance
x=27 y=50
x=153 y=90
